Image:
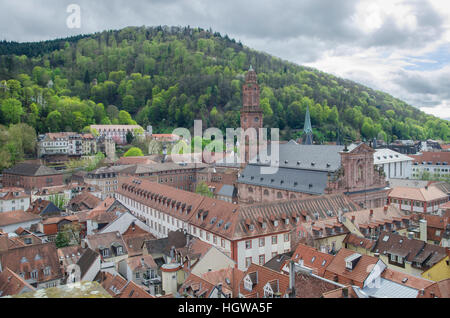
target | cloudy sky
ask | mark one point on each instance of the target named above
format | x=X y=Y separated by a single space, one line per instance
x=398 y=46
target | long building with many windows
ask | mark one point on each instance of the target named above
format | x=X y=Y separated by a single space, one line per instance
x=251 y=234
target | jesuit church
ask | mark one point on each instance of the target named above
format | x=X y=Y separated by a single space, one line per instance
x=306 y=169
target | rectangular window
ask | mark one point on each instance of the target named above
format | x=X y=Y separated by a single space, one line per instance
x=262 y=242
x=286 y=237
x=262 y=260
x=248 y=245
x=222 y=243
x=274 y=240
x=248 y=262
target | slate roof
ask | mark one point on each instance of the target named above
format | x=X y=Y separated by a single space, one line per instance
x=227 y=191
x=164 y=245
x=32 y=170
x=43 y=208
x=415 y=251
x=278 y=262
x=297 y=163
x=87 y=260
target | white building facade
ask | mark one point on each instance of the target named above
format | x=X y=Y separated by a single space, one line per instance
x=394 y=164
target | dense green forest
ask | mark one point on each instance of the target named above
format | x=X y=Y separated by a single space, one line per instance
x=169 y=76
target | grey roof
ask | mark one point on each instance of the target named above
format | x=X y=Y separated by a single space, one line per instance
x=159 y=167
x=307 y=157
x=278 y=261
x=227 y=191
x=87 y=259
x=394 y=183
x=294 y=180
x=28 y=169
x=384 y=288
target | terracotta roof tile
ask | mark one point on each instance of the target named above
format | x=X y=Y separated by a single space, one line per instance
x=12 y=284
x=312 y=258
x=358 y=274
x=260 y=277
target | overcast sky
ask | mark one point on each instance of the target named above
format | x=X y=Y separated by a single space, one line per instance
x=401 y=47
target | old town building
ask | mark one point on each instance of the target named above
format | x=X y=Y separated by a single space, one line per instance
x=309 y=170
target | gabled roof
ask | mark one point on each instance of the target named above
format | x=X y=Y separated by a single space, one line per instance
x=439 y=289
x=414 y=251
x=356 y=241
x=407 y=280
x=312 y=258
x=17 y=217
x=260 y=277
x=312 y=286
x=418 y=194
x=12 y=284
x=84 y=201
x=43 y=208
x=31 y=170
x=196 y=287
x=106 y=240
x=132 y=290
x=174 y=239
x=29 y=258
x=87 y=260
x=358 y=274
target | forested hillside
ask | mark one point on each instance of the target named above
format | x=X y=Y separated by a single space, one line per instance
x=169 y=76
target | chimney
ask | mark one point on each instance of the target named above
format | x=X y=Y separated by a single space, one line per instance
x=353 y=219
x=386 y=208
x=292 y=278
x=423 y=230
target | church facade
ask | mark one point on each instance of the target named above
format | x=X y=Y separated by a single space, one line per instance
x=308 y=170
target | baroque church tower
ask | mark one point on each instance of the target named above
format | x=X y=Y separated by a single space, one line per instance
x=251 y=112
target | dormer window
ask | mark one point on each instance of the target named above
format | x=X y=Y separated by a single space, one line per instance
x=268 y=292
x=248 y=284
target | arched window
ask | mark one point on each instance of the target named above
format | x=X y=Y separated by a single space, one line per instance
x=279 y=195
x=266 y=192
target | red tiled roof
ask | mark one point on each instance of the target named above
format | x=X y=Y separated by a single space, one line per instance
x=12 y=284
x=355 y=240
x=196 y=287
x=358 y=274
x=312 y=258
x=16 y=217
x=418 y=194
x=33 y=257
x=434 y=157
x=132 y=290
x=439 y=289
x=405 y=279
x=261 y=276
x=225 y=276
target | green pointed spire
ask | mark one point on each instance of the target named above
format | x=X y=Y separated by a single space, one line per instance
x=308 y=139
x=308 y=126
